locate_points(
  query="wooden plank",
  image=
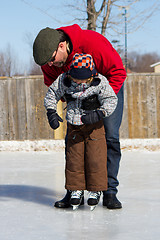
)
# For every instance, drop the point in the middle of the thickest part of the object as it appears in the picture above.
(157, 79)
(12, 109)
(21, 109)
(38, 109)
(136, 108)
(144, 112)
(140, 122)
(124, 124)
(130, 105)
(4, 123)
(30, 115)
(152, 107)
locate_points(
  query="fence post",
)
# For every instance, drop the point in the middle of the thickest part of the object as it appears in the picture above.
(58, 133)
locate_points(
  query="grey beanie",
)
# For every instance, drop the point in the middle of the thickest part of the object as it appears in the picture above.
(44, 45)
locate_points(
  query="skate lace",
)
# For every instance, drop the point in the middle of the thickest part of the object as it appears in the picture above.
(76, 194)
(94, 194)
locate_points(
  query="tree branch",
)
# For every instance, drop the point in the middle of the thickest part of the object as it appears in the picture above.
(106, 17)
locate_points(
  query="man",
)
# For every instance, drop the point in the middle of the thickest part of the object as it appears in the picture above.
(53, 50)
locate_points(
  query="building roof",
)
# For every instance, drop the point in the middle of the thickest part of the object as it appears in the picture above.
(155, 64)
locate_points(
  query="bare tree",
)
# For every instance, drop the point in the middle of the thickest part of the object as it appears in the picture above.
(7, 62)
(141, 62)
(104, 15)
(34, 69)
(93, 14)
(2, 64)
(108, 15)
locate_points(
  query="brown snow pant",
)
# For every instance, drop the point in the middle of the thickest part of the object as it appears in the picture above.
(86, 158)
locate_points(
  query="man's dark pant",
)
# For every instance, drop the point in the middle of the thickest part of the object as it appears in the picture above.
(112, 125)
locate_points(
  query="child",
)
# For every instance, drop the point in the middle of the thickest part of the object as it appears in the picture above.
(89, 98)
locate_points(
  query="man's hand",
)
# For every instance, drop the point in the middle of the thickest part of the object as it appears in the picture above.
(53, 118)
(92, 117)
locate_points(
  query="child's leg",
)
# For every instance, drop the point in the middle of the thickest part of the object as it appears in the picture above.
(75, 176)
(96, 159)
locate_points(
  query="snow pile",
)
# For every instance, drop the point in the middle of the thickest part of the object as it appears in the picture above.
(58, 145)
(141, 144)
(27, 145)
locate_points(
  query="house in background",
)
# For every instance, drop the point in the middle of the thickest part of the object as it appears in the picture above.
(156, 67)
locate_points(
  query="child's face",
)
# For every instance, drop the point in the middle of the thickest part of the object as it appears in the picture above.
(79, 81)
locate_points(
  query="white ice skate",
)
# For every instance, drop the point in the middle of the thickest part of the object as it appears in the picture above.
(76, 198)
(92, 207)
(75, 207)
(93, 199)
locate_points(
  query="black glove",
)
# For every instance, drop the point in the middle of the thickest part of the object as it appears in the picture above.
(92, 117)
(53, 118)
(90, 103)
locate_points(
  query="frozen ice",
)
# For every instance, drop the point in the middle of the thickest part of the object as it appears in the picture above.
(30, 183)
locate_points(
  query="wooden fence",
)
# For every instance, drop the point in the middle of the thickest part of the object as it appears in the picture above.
(23, 116)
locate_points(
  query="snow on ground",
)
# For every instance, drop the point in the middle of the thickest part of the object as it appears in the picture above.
(56, 145)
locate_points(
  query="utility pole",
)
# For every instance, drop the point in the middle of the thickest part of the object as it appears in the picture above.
(125, 21)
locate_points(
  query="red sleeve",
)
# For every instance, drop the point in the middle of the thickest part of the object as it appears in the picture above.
(115, 71)
(109, 64)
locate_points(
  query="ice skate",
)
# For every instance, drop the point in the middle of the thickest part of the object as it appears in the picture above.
(93, 199)
(76, 198)
(92, 207)
(75, 207)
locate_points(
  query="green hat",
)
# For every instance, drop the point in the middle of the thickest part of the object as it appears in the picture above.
(44, 45)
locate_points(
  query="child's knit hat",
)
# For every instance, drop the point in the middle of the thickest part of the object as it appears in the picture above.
(82, 66)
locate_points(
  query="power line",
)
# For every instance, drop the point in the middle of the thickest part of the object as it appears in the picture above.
(40, 10)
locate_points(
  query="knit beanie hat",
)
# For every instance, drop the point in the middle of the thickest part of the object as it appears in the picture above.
(82, 66)
(44, 45)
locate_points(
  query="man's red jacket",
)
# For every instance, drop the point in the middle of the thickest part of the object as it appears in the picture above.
(107, 60)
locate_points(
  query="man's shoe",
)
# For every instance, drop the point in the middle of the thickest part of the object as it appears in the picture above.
(110, 201)
(65, 202)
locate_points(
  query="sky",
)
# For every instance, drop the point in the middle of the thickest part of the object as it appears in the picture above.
(21, 20)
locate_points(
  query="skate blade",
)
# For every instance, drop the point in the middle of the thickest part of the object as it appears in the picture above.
(75, 207)
(92, 208)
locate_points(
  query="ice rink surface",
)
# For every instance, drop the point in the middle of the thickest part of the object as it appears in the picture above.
(30, 183)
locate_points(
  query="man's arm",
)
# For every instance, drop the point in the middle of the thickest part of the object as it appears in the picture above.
(116, 73)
